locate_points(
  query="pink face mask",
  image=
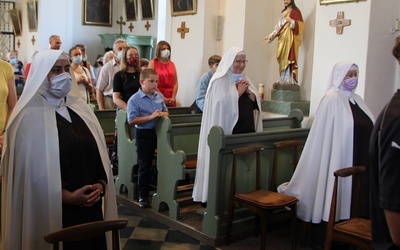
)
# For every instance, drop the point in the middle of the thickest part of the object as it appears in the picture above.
(350, 84)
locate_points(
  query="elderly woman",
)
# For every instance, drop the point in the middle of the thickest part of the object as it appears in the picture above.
(230, 101)
(339, 138)
(55, 165)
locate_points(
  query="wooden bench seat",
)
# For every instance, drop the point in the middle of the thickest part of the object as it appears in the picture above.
(221, 146)
(177, 146)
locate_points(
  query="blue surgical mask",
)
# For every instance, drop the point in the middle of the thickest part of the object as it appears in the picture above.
(60, 85)
(77, 59)
(350, 84)
(119, 55)
(237, 77)
(13, 61)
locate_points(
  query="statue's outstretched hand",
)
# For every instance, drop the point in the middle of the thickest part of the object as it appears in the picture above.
(267, 39)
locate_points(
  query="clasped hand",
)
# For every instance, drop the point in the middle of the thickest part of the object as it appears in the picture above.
(157, 113)
(85, 196)
(242, 86)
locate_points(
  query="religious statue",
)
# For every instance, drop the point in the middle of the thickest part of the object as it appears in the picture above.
(289, 31)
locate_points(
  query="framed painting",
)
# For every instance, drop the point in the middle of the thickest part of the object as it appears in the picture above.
(32, 16)
(326, 2)
(97, 12)
(147, 9)
(16, 21)
(131, 10)
(183, 7)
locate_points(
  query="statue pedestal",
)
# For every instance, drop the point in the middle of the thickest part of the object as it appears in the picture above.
(285, 98)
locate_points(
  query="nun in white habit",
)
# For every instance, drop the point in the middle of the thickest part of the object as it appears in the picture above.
(231, 102)
(339, 138)
(43, 189)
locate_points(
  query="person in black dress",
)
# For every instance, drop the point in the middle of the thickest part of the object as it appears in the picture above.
(56, 171)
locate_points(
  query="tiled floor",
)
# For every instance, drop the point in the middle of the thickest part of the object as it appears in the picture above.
(148, 233)
(145, 233)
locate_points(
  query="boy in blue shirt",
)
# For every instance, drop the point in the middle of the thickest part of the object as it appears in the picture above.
(145, 108)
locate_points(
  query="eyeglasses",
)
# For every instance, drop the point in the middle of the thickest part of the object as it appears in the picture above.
(241, 61)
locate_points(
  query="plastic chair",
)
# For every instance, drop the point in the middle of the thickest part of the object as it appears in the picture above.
(268, 205)
(87, 231)
(354, 231)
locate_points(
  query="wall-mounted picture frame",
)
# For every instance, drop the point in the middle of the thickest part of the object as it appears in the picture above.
(183, 7)
(5, 20)
(147, 7)
(130, 10)
(16, 22)
(32, 16)
(326, 2)
(97, 12)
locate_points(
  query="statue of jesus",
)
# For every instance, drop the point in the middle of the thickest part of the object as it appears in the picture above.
(289, 31)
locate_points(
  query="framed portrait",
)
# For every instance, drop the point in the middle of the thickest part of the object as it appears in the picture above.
(32, 16)
(97, 12)
(326, 2)
(183, 7)
(131, 10)
(16, 21)
(147, 9)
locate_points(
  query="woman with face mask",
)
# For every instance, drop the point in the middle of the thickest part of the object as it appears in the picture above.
(81, 74)
(339, 138)
(231, 102)
(126, 80)
(55, 167)
(167, 75)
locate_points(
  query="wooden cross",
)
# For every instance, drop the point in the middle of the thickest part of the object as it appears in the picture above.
(120, 22)
(183, 30)
(131, 27)
(340, 22)
(18, 43)
(147, 25)
(33, 40)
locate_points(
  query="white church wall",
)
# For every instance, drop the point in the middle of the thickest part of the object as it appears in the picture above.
(330, 48)
(190, 54)
(382, 74)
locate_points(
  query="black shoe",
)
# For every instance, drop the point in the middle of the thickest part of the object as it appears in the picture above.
(143, 202)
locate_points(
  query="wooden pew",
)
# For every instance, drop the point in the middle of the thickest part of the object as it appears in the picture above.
(107, 122)
(178, 110)
(221, 145)
(178, 142)
(172, 161)
(127, 157)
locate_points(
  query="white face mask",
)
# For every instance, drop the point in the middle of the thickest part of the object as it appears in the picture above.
(60, 85)
(165, 53)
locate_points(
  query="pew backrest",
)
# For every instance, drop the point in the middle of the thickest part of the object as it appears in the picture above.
(220, 165)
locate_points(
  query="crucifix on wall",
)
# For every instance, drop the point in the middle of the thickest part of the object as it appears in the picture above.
(339, 22)
(120, 22)
(183, 30)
